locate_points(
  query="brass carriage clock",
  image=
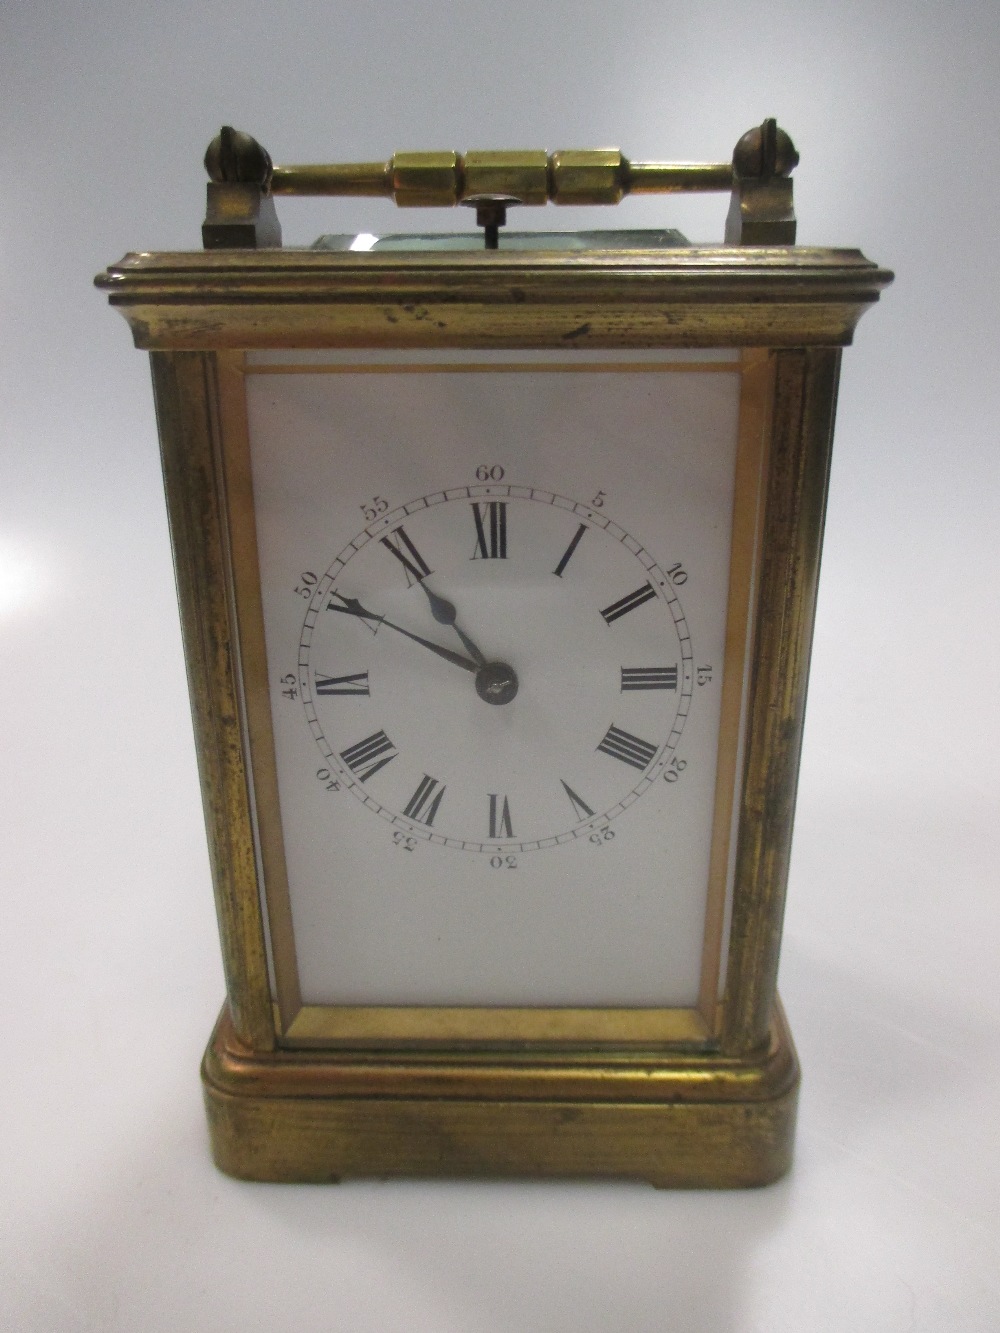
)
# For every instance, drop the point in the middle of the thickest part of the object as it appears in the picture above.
(497, 566)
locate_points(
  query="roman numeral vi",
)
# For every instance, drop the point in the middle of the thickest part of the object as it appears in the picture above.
(500, 825)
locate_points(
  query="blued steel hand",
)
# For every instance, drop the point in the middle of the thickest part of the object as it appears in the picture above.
(444, 613)
(352, 607)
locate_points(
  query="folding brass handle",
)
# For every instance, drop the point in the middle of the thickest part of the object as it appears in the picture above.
(762, 162)
(428, 180)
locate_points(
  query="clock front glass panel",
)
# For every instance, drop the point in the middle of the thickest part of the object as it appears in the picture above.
(495, 591)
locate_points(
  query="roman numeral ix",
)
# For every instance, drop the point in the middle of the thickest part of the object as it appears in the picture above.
(626, 604)
(629, 749)
(356, 684)
(491, 530)
(368, 756)
(414, 565)
(423, 804)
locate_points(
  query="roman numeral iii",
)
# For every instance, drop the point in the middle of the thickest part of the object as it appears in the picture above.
(491, 530)
(626, 604)
(629, 749)
(500, 825)
(368, 756)
(649, 678)
(423, 804)
(414, 565)
(356, 684)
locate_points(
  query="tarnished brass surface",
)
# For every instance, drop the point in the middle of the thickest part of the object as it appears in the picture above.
(677, 177)
(239, 217)
(235, 158)
(761, 214)
(425, 1026)
(240, 210)
(760, 210)
(570, 176)
(523, 176)
(186, 391)
(747, 534)
(424, 180)
(592, 176)
(708, 297)
(369, 180)
(672, 1120)
(801, 435)
(235, 483)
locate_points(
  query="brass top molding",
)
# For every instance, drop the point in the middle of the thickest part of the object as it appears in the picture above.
(715, 296)
(244, 182)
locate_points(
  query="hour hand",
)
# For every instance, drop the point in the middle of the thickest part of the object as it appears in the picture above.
(350, 606)
(444, 613)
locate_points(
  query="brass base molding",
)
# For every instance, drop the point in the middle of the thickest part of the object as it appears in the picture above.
(673, 1120)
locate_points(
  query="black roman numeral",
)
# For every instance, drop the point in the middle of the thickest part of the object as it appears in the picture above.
(568, 553)
(356, 684)
(416, 568)
(626, 604)
(491, 530)
(500, 825)
(629, 749)
(423, 804)
(580, 808)
(649, 678)
(366, 758)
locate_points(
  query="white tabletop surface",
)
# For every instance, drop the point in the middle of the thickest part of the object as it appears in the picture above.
(111, 1214)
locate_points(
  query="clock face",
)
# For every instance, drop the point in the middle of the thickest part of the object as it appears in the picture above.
(496, 668)
(495, 591)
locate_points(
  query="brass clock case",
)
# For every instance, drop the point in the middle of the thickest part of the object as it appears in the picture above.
(699, 1098)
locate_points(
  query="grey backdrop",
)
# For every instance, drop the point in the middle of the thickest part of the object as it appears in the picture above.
(113, 1217)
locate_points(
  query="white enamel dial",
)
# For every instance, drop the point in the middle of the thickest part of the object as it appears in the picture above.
(496, 667)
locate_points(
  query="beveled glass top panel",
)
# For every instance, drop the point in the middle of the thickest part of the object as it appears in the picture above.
(634, 239)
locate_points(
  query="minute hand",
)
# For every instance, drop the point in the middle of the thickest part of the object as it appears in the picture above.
(352, 607)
